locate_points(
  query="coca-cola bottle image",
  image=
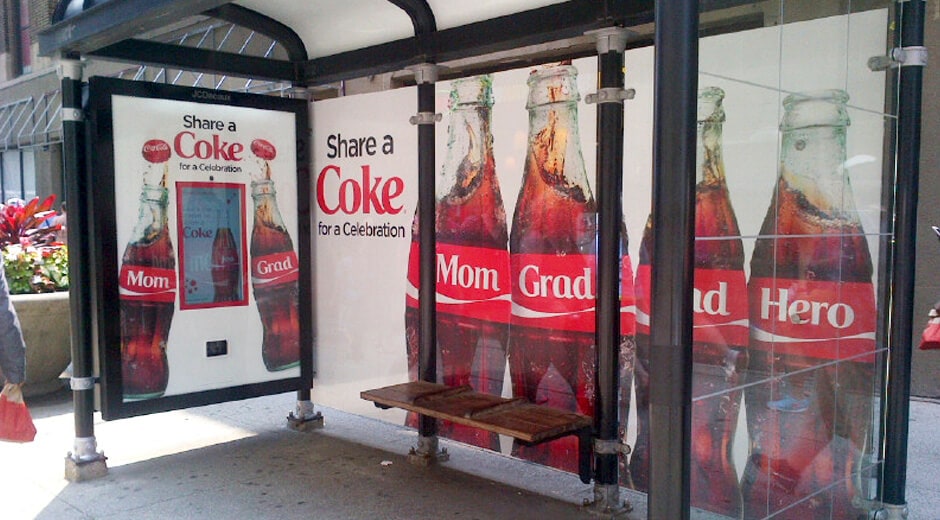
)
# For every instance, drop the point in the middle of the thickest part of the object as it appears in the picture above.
(812, 313)
(274, 270)
(473, 285)
(147, 282)
(552, 256)
(226, 267)
(720, 328)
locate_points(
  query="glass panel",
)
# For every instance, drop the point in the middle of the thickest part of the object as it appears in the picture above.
(805, 119)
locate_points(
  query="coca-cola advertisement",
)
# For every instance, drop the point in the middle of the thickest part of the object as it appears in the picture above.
(784, 277)
(206, 244)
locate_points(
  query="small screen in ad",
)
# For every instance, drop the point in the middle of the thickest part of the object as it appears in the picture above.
(212, 244)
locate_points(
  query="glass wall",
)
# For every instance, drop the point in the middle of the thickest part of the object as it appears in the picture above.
(789, 232)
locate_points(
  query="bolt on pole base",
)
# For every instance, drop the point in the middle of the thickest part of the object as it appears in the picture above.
(85, 462)
(892, 512)
(427, 453)
(607, 502)
(304, 418)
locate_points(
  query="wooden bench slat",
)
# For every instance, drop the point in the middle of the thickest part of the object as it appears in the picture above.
(513, 417)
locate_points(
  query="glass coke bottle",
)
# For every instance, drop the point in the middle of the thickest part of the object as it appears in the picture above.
(812, 314)
(552, 345)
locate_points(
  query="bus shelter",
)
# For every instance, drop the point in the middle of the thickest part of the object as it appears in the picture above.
(660, 245)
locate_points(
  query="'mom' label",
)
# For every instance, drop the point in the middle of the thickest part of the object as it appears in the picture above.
(147, 284)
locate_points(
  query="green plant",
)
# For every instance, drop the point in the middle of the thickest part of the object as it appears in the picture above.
(36, 269)
(32, 260)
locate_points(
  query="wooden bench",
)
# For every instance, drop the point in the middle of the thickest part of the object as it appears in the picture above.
(517, 418)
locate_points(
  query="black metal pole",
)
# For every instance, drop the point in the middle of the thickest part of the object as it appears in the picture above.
(673, 209)
(910, 33)
(427, 238)
(610, 216)
(80, 260)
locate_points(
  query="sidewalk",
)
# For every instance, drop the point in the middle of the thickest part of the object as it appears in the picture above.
(238, 460)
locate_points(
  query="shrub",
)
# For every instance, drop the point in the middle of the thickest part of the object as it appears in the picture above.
(33, 261)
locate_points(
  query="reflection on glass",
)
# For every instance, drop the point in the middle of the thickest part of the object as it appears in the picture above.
(720, 328)
(812, 314)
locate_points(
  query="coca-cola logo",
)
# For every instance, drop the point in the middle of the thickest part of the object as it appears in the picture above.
(533, 284)
(805, 312)
(156, 151)
(188, 146)
(365, 194)
(263, 149)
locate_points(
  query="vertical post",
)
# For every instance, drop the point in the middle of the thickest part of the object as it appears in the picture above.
(304, 417)
(910, 37)
(610, 46)
(426, 452)
(84, 462)
(673, 208)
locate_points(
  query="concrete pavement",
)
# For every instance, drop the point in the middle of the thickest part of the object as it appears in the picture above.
(238, 460)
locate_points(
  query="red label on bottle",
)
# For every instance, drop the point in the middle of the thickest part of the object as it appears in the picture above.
(471, 281)
(559, 292)
(554, 291)
(719, 304)
(147, 284)
(827, 320)
(628, 302)
(274, 269)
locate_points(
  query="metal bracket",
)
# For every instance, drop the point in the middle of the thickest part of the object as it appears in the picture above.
(85, 450)
(297, 92)
(611, 39)
(892, 512)
(82, 383)
(72, 114)
(610, 95)
(611, 447)
(425, 118)
(71, 69)
(425, 72)
(427, 452)
(915, 56)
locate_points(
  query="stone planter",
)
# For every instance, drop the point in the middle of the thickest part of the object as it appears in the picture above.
(45, 321)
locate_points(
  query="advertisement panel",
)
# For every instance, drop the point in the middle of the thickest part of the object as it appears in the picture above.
(515, 179)
(200, 199)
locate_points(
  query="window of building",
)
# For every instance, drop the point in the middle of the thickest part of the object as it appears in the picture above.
(24, 40)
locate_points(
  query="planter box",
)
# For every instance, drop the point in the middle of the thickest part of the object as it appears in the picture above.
(45, 321)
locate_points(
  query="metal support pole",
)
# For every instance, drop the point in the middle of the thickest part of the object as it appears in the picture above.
(304, 417)
(84, 462)
(610, 46)
(910, 34)
(426, 452)
(673, 209)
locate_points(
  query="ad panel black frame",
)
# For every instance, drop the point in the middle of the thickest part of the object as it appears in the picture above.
(101, 175)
